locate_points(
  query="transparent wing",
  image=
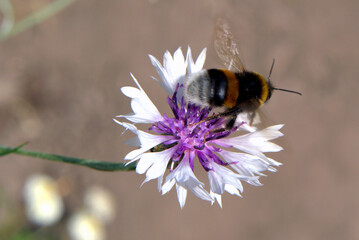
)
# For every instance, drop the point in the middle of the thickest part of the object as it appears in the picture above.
(226, 47)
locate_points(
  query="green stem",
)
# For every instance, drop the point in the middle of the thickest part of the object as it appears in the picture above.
(37, 17)
(98, 165)
(8, 17)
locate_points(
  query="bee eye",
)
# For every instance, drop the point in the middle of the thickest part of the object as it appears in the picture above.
(252, 84)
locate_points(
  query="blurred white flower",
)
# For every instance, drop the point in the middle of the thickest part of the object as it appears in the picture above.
(43, 203)
(100, 203)
(83, 225)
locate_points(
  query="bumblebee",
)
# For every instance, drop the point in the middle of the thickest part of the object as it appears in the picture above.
(234, 90)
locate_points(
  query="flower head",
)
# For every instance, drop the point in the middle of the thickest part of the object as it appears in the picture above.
(177, 142)
(43, 202)
(83, 225)
(100, 203)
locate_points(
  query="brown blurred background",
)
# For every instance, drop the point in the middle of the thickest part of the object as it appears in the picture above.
(60, 88)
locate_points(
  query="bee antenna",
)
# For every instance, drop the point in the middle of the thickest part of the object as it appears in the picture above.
(280, 89)
(286, 90)
(271, 69)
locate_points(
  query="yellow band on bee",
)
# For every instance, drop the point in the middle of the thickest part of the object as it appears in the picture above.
(265, 90)
(232, 89)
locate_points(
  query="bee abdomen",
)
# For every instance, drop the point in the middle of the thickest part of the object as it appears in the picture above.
(218, 87)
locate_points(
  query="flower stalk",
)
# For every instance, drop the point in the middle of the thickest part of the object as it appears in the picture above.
(97, 165)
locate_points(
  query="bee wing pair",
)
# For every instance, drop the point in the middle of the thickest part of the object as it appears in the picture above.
(227, 50)
(226, 47)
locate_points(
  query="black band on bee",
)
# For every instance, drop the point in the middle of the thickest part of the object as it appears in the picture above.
(218, 88)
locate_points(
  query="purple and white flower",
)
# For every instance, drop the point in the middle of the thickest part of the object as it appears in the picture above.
(177, 142)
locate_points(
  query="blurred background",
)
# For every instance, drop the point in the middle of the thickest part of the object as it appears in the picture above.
(60, 88)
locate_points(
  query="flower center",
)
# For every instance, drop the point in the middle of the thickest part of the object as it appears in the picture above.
(191, 131)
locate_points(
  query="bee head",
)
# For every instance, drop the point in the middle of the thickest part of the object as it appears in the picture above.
(270, 90)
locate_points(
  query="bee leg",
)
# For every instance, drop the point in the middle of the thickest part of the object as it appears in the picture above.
(229, 125)
(251, 117)
(230, 112)
(231, 122)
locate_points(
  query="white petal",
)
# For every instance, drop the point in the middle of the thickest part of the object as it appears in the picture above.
(163, 75)
(134, 142)
(130, 92)
(243, 119)
(146, 161)
(189, 61)
(268, 133)
(200, 61)
(169, 67)
(178, 58)
(126, 125)
(195, 67)
(185, 177)
(159, 183)
(249, 165)
(144, 111)
(246, 164)
(168, 185)
(220, 176)
(175, 68)
(201, 193)
(159, 166)
(167, 61)
(134, 155)
(273, 162)
(217, 197)
(181, 195)
(228, 188)
(147, 140)
(232, 190)
(179, 69)
(172, 72)
(256, 143)
(216, 183)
